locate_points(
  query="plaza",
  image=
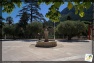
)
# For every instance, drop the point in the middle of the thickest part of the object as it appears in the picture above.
(25, 50)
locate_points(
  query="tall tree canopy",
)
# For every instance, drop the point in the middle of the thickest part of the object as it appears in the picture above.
(32, 8)
(9, 20)
(24, 19)
(1, 21)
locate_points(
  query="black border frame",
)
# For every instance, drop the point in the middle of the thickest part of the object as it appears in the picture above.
(49, 61)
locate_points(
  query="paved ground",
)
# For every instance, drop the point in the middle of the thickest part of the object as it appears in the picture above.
(25, 50)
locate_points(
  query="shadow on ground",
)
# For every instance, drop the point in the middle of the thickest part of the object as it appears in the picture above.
(73, 40)
(7, 39)
(34, 46)
(32, 40)
(28, 40)
(23, 40)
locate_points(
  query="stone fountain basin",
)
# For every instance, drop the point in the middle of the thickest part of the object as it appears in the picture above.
(46, 44)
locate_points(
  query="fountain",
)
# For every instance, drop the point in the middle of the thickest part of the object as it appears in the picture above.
(46, 42)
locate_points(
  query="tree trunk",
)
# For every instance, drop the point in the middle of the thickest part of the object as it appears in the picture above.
(69, 37)
(5, 36)
(31, 10)
(13, 36)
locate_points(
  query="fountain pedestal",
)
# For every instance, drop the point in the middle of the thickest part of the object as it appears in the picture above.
(46, 44)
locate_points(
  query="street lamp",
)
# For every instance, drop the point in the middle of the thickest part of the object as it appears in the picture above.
(54, 30)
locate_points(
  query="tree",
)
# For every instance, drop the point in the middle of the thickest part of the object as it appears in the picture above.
(33, 10)
(9, 5)
(1, 21)
(9, 20)
(24, 20)
(1, 25)
(19, 32)
(81, 27)
(36, 27)
(7, 30)
(71, 28)
(13, 31)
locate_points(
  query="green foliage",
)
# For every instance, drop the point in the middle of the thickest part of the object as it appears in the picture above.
(80, 27)
(80, 6)
(86, 28)
(10, 30)
(53, 10)
(8, 6)
(15, 30)
(24, 20)
(1, 26)
(32, 8)
(1, 21)
(70, 5)
(7, 30)
(71, 28)
(53, 13)
(82, 14)
(53, 16)
(88, 14)
(9, 20)
(34, 28)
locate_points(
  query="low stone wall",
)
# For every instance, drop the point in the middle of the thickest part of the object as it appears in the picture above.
(46, 44)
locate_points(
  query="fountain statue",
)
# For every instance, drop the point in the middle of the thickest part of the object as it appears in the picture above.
(46, 43)
(46, 35)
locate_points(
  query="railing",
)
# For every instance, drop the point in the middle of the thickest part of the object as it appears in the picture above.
(42, 37)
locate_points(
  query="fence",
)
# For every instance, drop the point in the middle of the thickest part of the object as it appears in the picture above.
(42, 37)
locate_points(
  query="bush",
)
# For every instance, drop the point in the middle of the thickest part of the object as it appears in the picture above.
(34, 28)
(9, 30)
(71, 28)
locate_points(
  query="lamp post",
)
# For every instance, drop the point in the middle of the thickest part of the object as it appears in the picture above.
(54, 30)
(5, 36)
(89, 31)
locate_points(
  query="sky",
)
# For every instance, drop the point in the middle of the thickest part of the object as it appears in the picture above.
(43, 6)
